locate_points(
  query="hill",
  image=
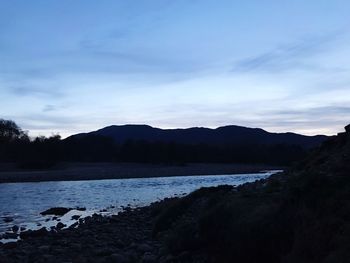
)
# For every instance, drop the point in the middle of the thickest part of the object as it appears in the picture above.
(220, 136)
(145, 144)
(301, 215)
(229, 144)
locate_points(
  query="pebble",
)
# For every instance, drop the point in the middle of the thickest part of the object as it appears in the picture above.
(60, 225)
(149, 258)
(44, 249)
(118, 258)
(10, 235)
(144, 248)
(75, 217)
(124, 238)
(57, 211)
(10, 245)
(15, 228)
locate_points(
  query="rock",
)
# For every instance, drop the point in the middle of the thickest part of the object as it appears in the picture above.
(118, 258)
(10, 245)
(103, 252)
(60, 225)
(119, 243)
(75, 246)
(80, 208)
(163, 251)
(43, 249)
(144, 248)
(74, 225)
(58, 251)
(184, 256)
(149, 258)
(48, 258)
(22, 228)
(30, 233)
(15, 228)
(132, 255)
(167, 259)
(75, 217)
(57, 211)
(10, 235)
(8, 219)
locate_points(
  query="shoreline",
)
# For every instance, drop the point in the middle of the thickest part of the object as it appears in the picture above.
(103, 171)
(97, 237)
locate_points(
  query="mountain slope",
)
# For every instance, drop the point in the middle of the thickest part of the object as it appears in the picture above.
(219, 136)
(301, 215)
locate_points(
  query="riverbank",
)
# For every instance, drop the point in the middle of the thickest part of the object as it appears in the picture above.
(126, 237)
(133, 235)
(96, 171)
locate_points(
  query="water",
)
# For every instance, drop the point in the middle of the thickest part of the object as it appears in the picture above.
(23, 202)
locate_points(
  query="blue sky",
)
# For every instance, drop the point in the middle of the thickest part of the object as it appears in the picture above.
(74, 66)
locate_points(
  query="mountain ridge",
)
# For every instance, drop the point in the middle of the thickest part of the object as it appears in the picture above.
(230, 134)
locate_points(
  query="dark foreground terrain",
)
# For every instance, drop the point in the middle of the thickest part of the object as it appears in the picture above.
(302, 215)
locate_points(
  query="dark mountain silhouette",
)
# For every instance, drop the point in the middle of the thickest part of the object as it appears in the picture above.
(232, 135)
(145, 144)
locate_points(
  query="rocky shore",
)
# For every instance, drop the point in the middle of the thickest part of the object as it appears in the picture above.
(126, 237)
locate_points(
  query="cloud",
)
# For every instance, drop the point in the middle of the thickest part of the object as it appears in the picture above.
(286, 57)
(48, 108)
(328, 119)
(29, 90)
(324, 112)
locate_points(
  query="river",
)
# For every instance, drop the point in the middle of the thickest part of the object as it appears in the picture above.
(21, 203)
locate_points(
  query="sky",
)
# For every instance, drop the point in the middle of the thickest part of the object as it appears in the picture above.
(76, 66)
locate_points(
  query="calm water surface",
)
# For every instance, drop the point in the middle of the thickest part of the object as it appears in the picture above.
(23, 202)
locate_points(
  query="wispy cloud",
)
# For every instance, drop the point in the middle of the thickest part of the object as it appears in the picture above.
(290, 56)
(324, 112)
(29, 90)
(49, 108)
(328, 119)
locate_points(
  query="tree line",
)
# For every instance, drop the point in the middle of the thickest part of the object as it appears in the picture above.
(45, 152)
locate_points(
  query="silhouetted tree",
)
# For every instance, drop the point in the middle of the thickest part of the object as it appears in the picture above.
(44, 152)
(10, 131)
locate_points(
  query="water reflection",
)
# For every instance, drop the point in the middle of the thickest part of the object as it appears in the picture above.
(23, 202)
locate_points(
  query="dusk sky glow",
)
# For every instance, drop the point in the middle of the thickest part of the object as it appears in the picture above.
(76, 66)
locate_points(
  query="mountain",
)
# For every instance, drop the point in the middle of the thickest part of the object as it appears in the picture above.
(233, 135)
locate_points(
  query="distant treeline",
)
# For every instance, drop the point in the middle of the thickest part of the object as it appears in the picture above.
(44, 152)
